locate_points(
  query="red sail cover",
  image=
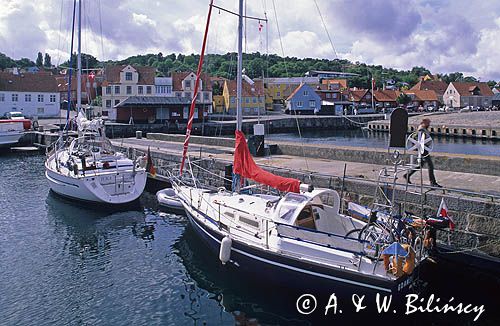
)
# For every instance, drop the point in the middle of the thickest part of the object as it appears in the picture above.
(245, 166)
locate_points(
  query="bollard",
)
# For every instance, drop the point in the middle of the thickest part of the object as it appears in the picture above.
(138, 134)
(228, 177)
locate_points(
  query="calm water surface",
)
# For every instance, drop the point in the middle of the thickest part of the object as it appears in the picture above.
(364, 138)
(66, 264)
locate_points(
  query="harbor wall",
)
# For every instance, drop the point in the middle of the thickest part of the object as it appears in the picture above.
(479, 164)
(477, 218)
(455, 130)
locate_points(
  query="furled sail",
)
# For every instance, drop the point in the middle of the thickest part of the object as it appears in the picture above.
(245, 166)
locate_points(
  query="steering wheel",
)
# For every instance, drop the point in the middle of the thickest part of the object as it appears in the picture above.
(421, 142)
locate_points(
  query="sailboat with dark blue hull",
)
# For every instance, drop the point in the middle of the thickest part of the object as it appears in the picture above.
(299, 237)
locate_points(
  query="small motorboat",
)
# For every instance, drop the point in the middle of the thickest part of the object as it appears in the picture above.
(168, 199)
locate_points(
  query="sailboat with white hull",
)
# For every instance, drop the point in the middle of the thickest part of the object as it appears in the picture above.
(88, 168)
(299, 236)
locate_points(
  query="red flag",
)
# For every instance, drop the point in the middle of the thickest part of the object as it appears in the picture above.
(91, 76)
(150, 167)
(245, 166)
(443, 212)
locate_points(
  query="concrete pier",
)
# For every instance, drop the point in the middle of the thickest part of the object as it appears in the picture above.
(473, 198)
(483, 125)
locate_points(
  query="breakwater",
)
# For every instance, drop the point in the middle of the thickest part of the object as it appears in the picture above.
(483, 125)
(443, 161)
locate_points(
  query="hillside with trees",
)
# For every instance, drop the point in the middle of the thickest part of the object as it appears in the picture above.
(256, 65)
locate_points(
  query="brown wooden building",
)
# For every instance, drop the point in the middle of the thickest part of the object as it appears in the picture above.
(156, 109)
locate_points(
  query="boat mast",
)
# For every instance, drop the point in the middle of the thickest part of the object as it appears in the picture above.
(239, 69)
(79, 60)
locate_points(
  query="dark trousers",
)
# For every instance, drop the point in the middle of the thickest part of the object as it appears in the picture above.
(427, 159)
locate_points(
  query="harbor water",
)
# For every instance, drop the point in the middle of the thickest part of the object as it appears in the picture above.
(63, 263)
(366, 138)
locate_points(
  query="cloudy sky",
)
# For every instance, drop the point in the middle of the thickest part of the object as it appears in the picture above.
(442, 35)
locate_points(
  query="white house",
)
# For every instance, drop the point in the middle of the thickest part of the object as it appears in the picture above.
(33, 94)
(121, 82)
(163, 86)
(183, 86)
(460, 94)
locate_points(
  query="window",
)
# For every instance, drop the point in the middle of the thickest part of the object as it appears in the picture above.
(187, 84)
(117, 101)
(306, 93)
(128, 76)
(40, 110)
(108, 89)
(187, 94)
(312, 104)
(178, 94)
(52, 98)
(148, 89)
(260, 99)
(300, 104)
(161, 89)
(27, 97)
(140, 90)
(108, 103)
(40, 98)
(14, 97)
(334, 95)
(2, 97)
(247, 100)
(328, 95)
(254, 100)
(129, 89)
(206, 96)
(168, 89)
(117, 89)
(278, 94)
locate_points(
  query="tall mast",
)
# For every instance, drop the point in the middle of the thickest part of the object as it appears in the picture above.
(239, 69)
(79, 60)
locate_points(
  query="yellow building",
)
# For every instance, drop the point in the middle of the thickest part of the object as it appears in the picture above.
(252, 97)
(218, 103)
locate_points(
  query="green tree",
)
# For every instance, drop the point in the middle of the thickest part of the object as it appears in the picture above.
(403, 99)
(46, 61)
(39, 59)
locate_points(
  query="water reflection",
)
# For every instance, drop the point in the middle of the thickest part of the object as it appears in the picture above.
(366, 138)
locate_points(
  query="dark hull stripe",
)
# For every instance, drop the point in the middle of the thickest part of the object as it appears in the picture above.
(278, 261)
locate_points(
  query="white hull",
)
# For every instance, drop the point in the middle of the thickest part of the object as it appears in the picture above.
(10, 138)
(106, 187)
(167, 198)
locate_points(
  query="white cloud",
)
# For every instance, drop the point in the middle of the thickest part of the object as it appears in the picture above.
(444, 36)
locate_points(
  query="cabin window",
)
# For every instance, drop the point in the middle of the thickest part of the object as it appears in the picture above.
(306, 218)
(249, 221)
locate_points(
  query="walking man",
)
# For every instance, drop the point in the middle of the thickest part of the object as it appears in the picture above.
(426, 157)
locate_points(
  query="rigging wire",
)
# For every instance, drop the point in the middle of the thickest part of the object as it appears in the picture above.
(288, 75)
(326, 29)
